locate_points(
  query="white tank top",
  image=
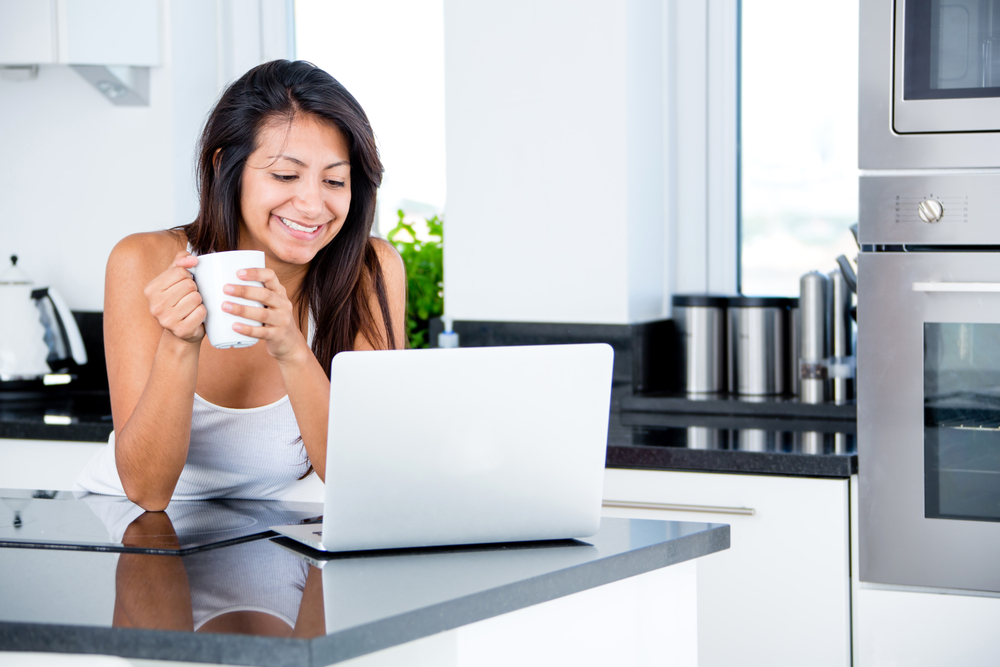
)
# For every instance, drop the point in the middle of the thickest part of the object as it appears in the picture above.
(233, 453)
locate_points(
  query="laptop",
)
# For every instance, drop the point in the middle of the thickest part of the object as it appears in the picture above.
(463, 446)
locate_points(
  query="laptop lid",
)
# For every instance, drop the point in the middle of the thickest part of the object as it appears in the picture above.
(465, 446)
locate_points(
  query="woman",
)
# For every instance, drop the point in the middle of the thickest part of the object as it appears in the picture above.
(287, 165)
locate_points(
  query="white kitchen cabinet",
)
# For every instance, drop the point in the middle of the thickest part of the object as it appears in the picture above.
(27, 32)
(52, 465)
(80, 32)
(780, 595)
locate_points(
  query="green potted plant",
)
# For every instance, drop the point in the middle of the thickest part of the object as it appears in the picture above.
(424, 262)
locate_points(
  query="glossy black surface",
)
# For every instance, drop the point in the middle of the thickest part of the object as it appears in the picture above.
(750, 443)
(782, 407)
(258, 603)
(59, 413)
(66, 520)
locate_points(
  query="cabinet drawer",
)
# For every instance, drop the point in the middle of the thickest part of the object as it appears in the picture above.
(780, 594)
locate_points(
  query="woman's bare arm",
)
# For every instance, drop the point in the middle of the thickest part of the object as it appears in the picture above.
(304, 379)
(308, 386)
(152, 334)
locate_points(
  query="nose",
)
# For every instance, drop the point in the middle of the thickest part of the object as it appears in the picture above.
(308, 199)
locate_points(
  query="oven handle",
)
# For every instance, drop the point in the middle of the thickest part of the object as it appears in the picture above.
(956, 287)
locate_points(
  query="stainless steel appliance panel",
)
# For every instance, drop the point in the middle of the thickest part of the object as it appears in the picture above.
(904, 295)
(883, 146)
(930, 208)
(959, 52)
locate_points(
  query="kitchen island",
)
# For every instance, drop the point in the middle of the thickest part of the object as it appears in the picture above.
(780, 595)
(629, 592)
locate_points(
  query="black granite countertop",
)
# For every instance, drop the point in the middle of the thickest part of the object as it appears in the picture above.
(690, 436)
(61, 414)
(796, 447)
(97, 602)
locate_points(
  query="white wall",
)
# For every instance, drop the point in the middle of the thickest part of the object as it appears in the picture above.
(81, 173)
(591, 152)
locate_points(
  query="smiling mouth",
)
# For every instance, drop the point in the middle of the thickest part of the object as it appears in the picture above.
(297, 227)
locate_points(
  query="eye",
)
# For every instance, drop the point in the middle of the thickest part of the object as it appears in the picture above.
(335, 184)
(284, 178)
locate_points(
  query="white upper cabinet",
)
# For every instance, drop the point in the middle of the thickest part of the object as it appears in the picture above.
(80, 32)
(27, 32)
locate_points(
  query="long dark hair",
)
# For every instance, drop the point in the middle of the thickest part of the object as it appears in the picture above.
(343, 275)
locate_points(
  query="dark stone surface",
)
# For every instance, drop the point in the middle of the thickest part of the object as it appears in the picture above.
(382, 599)
(488, 334)
(88, 414)
(754, 443)
(772, 406)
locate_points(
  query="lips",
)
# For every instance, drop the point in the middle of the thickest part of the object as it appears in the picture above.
(299, 230)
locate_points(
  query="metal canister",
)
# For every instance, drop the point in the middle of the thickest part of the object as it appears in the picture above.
(812, 360)
(757, 350)
(840, 334)
(701, 323)
(794, 347)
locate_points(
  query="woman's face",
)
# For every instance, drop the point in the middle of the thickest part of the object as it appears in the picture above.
(296, 190)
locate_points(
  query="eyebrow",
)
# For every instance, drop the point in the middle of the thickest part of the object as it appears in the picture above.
(303, 164)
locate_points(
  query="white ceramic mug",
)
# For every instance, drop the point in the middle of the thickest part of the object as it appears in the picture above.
(211, 274)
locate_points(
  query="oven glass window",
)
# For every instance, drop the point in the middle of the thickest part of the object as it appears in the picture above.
(951, 49)
(962, 421)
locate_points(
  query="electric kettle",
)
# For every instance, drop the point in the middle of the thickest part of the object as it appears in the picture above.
(38, 334)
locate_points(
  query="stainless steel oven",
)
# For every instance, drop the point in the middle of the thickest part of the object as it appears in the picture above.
(929, 92)
(929, 379)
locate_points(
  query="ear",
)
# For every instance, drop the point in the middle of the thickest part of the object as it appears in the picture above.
(216, 159)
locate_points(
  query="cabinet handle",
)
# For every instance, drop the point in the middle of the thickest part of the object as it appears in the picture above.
(956, 287)
(708, 509)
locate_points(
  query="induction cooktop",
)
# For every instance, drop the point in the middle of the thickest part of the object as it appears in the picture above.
(89, 522)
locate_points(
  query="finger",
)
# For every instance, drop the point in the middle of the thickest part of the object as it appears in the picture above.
(262, 295)
(254, 332)
(187, 304)
(189, 325)
(265, 276)
(269, 316)
(171, 276)
(173, 294)
(185, 259)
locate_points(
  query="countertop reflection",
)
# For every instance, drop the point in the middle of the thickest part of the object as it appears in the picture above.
(265, 603)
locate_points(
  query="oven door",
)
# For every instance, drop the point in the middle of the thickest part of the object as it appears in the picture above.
(946, 66)
(929, 419)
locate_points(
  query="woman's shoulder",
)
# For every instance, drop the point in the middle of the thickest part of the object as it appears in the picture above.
(147, 252)
(388, 257)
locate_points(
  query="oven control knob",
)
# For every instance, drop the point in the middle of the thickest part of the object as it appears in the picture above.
(930, 210)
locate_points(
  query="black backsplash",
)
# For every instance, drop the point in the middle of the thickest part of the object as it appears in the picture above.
(93, 376)
(645, 354)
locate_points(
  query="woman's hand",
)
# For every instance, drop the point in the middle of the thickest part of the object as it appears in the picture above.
(279, 329)
(175, 302)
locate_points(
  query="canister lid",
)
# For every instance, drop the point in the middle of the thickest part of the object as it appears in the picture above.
(699, 300)
(762, 302)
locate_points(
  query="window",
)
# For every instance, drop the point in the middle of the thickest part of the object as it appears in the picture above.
(390, 55)
(799, 138)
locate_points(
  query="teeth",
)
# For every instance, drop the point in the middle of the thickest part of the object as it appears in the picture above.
(298, 228)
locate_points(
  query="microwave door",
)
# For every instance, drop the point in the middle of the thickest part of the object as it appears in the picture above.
(946, 74)
(929, 419)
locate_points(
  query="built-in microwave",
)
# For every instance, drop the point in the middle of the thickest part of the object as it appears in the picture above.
(929, 84)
